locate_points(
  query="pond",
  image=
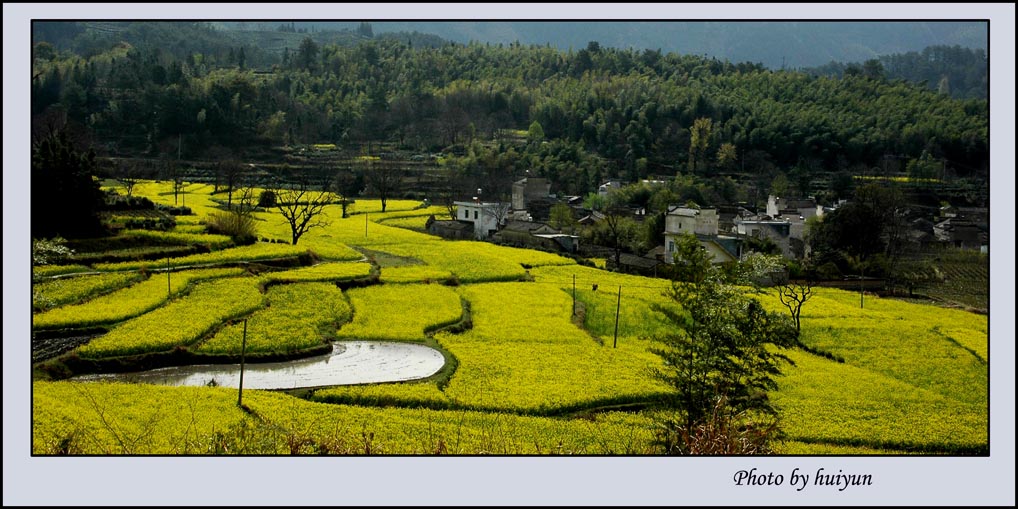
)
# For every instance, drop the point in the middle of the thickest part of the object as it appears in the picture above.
(351, 362)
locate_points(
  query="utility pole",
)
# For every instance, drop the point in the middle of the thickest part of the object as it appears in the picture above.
(243, 350)
(862, 272)
(618, 305)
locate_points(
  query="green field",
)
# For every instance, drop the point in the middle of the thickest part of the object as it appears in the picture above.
(531, 371)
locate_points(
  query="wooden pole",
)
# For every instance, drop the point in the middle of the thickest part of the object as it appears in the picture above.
(618, 305)
(574, 294)
(861, 276)
(243, 350)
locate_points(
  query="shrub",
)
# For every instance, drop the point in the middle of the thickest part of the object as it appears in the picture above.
(267, 199)
(240, 227)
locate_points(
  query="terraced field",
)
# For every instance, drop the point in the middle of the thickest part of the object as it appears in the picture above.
(529, 370)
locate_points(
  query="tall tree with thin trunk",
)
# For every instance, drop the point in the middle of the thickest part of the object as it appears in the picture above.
(384, 180)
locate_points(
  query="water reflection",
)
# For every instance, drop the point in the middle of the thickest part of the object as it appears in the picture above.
(351, 362)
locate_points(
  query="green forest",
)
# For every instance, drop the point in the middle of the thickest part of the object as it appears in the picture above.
(187, 90)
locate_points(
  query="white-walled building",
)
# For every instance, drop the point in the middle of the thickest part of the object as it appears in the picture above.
(783, 207)
(703, 223)
(608, 187)
(681, 220)
(485, 216)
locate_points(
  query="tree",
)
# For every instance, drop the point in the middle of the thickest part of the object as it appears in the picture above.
(699, 141)
(794, 295)
(613, 212)
(346, 184)
(230, 171)
(919, 274)
(561, 217)
(385, 180)
(727, 155)
(66, 198)
(302, 207)
(307, 53)
(499, 211)
(127, 174)
(873, 69)
(690, 262)
(780, 185)
(535, 133)
(718, 353)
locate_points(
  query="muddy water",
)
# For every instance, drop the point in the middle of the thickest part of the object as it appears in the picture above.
(351, 362)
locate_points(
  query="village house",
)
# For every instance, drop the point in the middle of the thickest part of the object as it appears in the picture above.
(535, 235)
(800, 207)
(474, 219)
(532, 198)
(703, 223)
(777, 231)
(609, 186)
(452, 230)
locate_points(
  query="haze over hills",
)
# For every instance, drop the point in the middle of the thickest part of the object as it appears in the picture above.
(773, 44)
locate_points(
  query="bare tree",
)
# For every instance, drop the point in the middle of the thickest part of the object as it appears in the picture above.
(230, 170)
(173, 173)
(345, 184)
(499, 211)
(617, 225)
(127, 174)
(384, 180)
(302, 207)
(794, 295)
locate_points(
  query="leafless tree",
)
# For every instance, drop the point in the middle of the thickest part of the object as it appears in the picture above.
(230, 171)
(384, 180)
(175, 175)
(345, 185)
(499, 211)
(794, 295)
(127, 174)
(302, 207)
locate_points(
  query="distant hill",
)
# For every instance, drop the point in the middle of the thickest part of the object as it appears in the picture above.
(960, 72)
(773, 44)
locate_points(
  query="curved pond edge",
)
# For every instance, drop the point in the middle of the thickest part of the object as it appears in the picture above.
(347, 363)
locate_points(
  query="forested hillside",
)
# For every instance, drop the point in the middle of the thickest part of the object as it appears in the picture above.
(634, 112)
(960, 72)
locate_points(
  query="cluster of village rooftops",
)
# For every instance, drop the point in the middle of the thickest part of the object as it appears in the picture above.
(723, 231)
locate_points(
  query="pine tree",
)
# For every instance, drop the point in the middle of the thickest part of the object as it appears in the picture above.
(719, 357)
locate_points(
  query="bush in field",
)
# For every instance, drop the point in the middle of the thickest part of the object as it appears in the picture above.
(267, 199)
(46, 251)
(722, 432)
(240, 227)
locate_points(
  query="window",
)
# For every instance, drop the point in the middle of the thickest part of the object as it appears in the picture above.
(466, 214)
(475, 214)
(671, 246)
